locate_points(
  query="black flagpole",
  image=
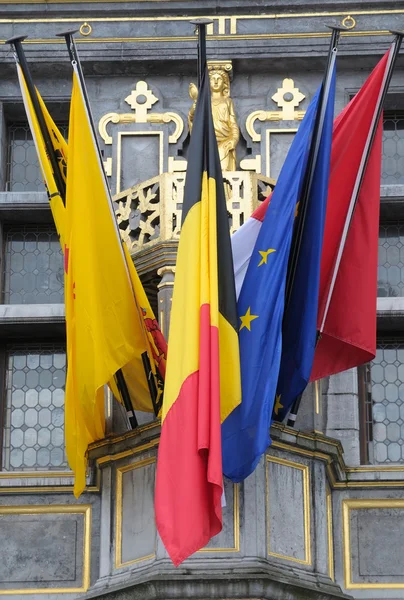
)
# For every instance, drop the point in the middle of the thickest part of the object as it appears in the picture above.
(201, 25)
(397, 44)
(312, 160)
(119, 376)
(307, 185)
(16, 42)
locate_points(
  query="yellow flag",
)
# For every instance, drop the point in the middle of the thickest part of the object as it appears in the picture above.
(55, 199)
(105, 329)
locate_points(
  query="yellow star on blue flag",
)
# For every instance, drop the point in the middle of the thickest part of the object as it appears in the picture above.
(264, 254)
(247, 318)
(278, 404)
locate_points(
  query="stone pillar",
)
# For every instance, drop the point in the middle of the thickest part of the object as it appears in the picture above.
(164, 297)
(342, 413)
(311, 415)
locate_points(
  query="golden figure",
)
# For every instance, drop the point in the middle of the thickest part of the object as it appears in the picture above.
(224, 118)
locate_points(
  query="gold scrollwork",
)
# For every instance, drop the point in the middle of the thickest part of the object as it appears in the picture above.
(150, 118)
(288, 97)
(348, 22)
(157, 203)
(85, 29)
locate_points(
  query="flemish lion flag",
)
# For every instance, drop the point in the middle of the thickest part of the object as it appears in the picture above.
(203, 372)
(55, 195)
(105, 312)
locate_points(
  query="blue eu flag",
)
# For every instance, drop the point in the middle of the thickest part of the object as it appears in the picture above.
(245, 432)
(300, 316)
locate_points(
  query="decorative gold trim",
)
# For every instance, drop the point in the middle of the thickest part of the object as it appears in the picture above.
(85, 29)
(269, 16)
(268, 145)
(129, 434)
(236, 525)
(349, 22)
(126, 453)
(330, 538)
(347, 507)
(118, 513)
(317, 396)
(306, 510)
(85, 510)
(254, 36)
(35, 474)
(119, 151)
(154, 118)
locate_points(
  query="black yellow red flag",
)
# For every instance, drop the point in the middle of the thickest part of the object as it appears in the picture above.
(203, 367)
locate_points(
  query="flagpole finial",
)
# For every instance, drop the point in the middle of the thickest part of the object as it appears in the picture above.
(16, 38)
(201, 21)
(65, 33)
(335, 27)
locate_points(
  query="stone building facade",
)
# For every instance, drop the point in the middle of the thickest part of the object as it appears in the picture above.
(322, 517)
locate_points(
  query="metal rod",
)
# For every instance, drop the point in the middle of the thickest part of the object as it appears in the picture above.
(201, 25)
(312, 160)
(20, 57)
(123, 389)
(151, 382)
(394, 51)
(354, 199)
(304, 197)
(75, 60)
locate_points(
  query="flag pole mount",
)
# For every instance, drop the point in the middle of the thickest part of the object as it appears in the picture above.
(16, 42)
(201, 25)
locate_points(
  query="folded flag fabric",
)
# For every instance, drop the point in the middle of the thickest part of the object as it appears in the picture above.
(203, 367)
(245, 432)
(348, 322)
(299, 332)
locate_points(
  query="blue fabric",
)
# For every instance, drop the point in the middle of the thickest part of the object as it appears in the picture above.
(245, 432)
(300, 316)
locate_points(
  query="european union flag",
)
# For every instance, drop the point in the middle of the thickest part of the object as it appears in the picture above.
(245, 432)
(300, 318)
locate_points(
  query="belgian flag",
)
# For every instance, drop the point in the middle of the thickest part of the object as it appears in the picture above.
(203, 367)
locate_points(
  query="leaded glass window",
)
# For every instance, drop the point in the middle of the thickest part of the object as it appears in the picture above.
(33, 266)
(23, 171)
(387, 379)
(34, 412)
(393, 148)
(390, 279)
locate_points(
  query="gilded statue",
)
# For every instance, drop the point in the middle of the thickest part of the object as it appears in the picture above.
(224, 118)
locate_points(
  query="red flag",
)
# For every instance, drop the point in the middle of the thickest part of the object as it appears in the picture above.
(347, 311)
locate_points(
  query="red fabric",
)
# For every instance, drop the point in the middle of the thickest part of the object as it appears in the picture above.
(260, 211)
(188, 507)
(349, 336)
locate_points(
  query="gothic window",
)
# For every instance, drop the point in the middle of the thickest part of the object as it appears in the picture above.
(33, 437)
(23, 171)
(390, 279)
(33, 266)
(381, 397)
(393, 148)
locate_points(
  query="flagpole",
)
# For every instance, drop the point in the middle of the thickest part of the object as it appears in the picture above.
(20, 58)
(307, 184)
(394, 51)
(312, 160)
(201, 25)
(119, 376)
